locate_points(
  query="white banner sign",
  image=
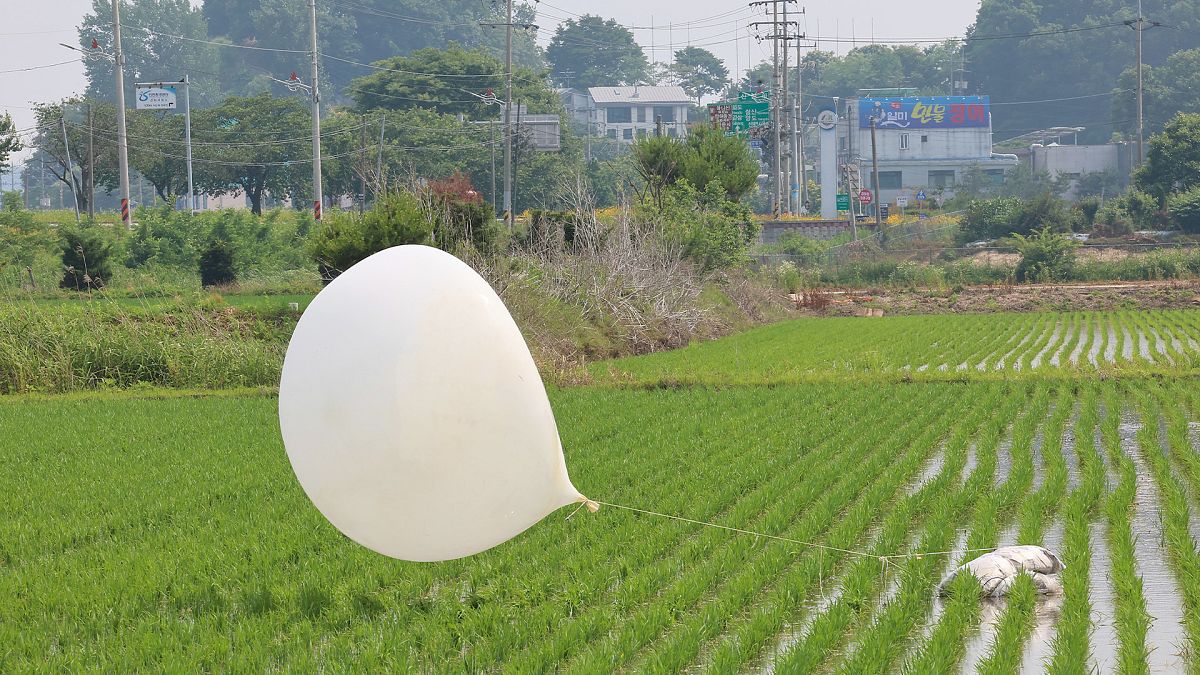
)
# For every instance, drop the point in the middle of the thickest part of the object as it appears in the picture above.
(156, 98)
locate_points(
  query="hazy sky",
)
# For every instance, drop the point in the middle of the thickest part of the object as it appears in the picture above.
(31, 31)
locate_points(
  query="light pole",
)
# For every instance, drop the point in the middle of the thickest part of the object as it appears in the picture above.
(122, 139)
(318, 199)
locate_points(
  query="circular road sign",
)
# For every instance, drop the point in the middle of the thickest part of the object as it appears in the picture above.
(827, 119)
(864, 196)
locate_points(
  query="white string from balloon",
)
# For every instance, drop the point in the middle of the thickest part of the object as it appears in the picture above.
(594, 505)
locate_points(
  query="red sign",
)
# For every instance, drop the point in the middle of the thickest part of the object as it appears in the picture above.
(864, 196)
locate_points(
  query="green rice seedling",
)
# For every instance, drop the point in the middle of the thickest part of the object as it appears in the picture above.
(1181, 547)
(1132, 622)
(1073, 634)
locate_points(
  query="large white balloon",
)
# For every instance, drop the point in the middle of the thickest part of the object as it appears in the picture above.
(413, 414)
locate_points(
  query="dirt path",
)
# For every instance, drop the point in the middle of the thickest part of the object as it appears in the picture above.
(1017, 298)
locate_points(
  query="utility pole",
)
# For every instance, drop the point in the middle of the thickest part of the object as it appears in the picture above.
(875, 174)
(379, 186)
(1139, 26)
(71, 167)
(508, 130)
(798, 182)
(122, 138)
(187, 139)
(784, 128)
(91, 175)
(779, 33)
(362, 164)
(318, 197)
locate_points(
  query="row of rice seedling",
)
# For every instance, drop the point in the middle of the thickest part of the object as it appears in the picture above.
(833, 627)
(1180, 459)
(951, 464)
(1071, 646)
(657, 572)
(947, 643)
(1037, 509)
(954, 347)
(838, 487)
(881, 646)
(1131, 620)
(1175, 512)
(789, 602)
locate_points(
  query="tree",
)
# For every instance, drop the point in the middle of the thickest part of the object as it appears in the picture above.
(592, 52)
(216, 260)
(699, 72)
(85, 259)
(1045, 256)
(157, 151)
(10, 142)
(364, 31)
(445, 79)
(659, 162)
(1173, 160)
(256, 145)
(713, 156)
(151, 49)
(49, 140)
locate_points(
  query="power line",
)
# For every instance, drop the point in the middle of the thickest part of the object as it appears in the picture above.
(48, 65)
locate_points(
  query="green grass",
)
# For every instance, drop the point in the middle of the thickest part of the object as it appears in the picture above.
(151, 529)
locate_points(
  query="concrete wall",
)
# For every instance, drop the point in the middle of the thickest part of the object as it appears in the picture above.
(813, 229)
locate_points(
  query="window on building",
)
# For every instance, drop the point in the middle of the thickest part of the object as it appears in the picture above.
(627, 134)
(903, 141)
(924, 138)
(890, 180)
(641, 114)
(666, 112)
(941, 178)
(672, 132)
(612, 133)
(995, 176)
(624, 114)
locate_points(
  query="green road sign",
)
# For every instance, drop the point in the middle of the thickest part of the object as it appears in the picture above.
(843, 202)
(738, 117)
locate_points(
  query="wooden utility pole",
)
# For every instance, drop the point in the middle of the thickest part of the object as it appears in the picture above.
(91, 172)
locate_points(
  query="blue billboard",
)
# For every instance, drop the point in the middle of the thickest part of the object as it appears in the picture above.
(926, 112)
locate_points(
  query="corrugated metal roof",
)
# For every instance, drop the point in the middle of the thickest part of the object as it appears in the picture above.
(639, 94)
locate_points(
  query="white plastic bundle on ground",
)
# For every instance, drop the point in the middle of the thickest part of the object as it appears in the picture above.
(999, 570)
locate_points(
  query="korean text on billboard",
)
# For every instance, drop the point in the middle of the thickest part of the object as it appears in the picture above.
(933, 112)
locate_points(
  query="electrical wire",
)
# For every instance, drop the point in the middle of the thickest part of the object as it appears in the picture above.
(48, 65)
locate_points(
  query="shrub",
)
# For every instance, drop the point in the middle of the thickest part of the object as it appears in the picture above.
(344, 238)
(1089, 207)
(216, 262)
(1044, 212)
(85, 259)
(1045, 256)
(988, 218)
(1185, 210)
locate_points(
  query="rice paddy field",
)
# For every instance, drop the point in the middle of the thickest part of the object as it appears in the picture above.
(164, 531)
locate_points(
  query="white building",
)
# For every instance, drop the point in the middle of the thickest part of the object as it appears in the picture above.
(1071, 162)
(627, 113)
(922, 143)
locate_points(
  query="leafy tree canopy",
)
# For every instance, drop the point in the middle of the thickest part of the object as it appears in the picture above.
(1173, 160)
(699, 72)
(594, 52)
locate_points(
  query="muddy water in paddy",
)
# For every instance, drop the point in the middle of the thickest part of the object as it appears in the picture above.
(1110, 345)
(1054, 338)
(1143, 345)
(1039, 648)
(1056, 359)
(1104, 635)
(1097, 343)
(1166, 635)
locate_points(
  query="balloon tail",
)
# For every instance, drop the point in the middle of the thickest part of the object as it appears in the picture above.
(592, 506)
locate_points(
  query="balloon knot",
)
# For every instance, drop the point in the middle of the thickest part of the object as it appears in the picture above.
(591, 505)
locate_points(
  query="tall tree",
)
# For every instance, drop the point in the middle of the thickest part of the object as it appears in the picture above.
(161, 40)
(450, 80)
(255, 145)
(591, 52)
(73, 169)
(699, 72)
(10, 142)
(1173, 160)
(351, 34)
